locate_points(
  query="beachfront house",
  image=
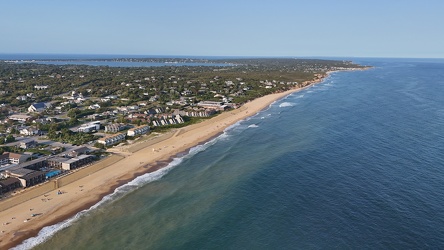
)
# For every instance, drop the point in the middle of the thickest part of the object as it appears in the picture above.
(138, 130)
(56, 162)
(111, 140)
(9, 184)
(70, 163)
(114, 128)
(27, 177)
(78, 151)
(77, 162)
(213, 105)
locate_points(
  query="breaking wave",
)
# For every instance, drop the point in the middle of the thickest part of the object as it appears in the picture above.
(47, 232)
(286, 104)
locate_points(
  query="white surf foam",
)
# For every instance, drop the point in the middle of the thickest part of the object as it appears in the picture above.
(286, 104)
(47, 232)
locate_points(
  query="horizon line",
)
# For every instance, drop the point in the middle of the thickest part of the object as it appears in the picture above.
(225, 56)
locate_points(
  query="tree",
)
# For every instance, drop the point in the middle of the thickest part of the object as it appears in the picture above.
(99, 145)
(10, 138)
(72, 113)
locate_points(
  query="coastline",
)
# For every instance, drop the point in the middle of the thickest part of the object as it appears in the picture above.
(149, 156)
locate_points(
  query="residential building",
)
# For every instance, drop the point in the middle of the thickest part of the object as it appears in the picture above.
(27, 177)
(12, 158)
(29, 131)
(114, 128)
(9, 184)
(168, 120)
(56, 162)
(21, 98)
(94, 106)
(36, 164)
(112, 139)
(39, 107)
(89, 127)
(212, 105)
(138, 130)
(19, 117)
(78, 151)
(27, 143)
(77, 162)
(4, 159)
(40, 87)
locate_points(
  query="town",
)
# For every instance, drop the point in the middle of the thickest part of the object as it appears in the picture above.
(56, 119)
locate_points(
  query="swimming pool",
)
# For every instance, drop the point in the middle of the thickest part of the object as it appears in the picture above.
(52, 173)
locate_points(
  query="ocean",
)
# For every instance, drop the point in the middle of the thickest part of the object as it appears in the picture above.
(355, 162)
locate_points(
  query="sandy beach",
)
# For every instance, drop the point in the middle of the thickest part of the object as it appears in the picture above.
(128, 162)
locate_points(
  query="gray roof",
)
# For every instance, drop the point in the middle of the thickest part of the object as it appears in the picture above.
(19, 171)
(39, 105)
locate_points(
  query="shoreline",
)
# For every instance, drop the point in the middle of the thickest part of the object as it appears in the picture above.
(97, 185)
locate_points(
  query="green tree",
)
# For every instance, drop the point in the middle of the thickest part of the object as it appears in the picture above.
(10, 138)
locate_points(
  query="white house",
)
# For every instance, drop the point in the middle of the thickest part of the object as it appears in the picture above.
(94, 106)
(39, 107)
(40, 87)
(138, 131)
(29, 131)
(111, 140)
(86, 128)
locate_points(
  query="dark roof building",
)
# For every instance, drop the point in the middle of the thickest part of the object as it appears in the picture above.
(9, 184)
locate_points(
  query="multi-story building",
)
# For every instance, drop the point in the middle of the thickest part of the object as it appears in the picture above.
(138, 130)
(112, 139)
(114, 128)
(27, 177)
(13, 158)
(89, 127)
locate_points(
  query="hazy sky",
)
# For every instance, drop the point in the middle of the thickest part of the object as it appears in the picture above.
(359, 28)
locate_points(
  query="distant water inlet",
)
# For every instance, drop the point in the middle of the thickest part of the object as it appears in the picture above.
(357, 164)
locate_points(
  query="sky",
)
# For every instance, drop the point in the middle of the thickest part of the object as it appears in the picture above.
(284, 28)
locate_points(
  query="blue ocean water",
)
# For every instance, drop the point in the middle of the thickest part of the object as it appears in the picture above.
(356, 162)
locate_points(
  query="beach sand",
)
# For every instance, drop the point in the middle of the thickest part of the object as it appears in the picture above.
(18, 224)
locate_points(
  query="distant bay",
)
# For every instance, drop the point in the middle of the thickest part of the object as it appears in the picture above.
(114, 60)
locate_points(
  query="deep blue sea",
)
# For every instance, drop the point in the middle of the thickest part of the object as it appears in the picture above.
(356, 162)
